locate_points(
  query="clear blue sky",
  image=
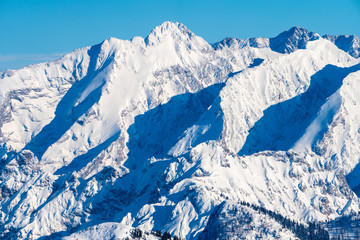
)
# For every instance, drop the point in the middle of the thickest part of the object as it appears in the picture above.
(33, 31)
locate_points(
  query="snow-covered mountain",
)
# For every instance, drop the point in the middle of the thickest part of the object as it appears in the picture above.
(172, 134)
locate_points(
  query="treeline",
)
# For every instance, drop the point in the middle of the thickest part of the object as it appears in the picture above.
(310, 232)
(138, 233)
(344, 227)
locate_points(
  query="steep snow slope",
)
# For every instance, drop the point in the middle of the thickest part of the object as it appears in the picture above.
(249, 93)
(131, 75)
(145, 133)
(350, 44)
(29, 96)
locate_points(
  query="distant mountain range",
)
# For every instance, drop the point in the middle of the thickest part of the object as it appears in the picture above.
(173, 137)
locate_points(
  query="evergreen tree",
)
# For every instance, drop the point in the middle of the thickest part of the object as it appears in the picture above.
(166, 236)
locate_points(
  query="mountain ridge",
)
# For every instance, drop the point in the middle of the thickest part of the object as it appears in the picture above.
(146, 133)
(291, 40)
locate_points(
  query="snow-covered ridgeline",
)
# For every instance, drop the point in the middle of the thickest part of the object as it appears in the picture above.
(146, 132)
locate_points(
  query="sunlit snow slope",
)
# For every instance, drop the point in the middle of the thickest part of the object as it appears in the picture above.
(164, 132)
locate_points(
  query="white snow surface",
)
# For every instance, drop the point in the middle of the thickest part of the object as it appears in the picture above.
(155, 133)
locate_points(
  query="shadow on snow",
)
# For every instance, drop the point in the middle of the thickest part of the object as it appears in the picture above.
(66, 114)
(284, 123)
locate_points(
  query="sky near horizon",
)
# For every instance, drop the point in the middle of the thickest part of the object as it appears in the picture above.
(43, 30)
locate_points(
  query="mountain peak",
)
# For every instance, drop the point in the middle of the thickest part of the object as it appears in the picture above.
(168, 28)
(293, 39)
(298, 29)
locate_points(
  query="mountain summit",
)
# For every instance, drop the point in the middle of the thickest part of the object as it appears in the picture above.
(171, 136)
(168, 28)
(291, 40)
